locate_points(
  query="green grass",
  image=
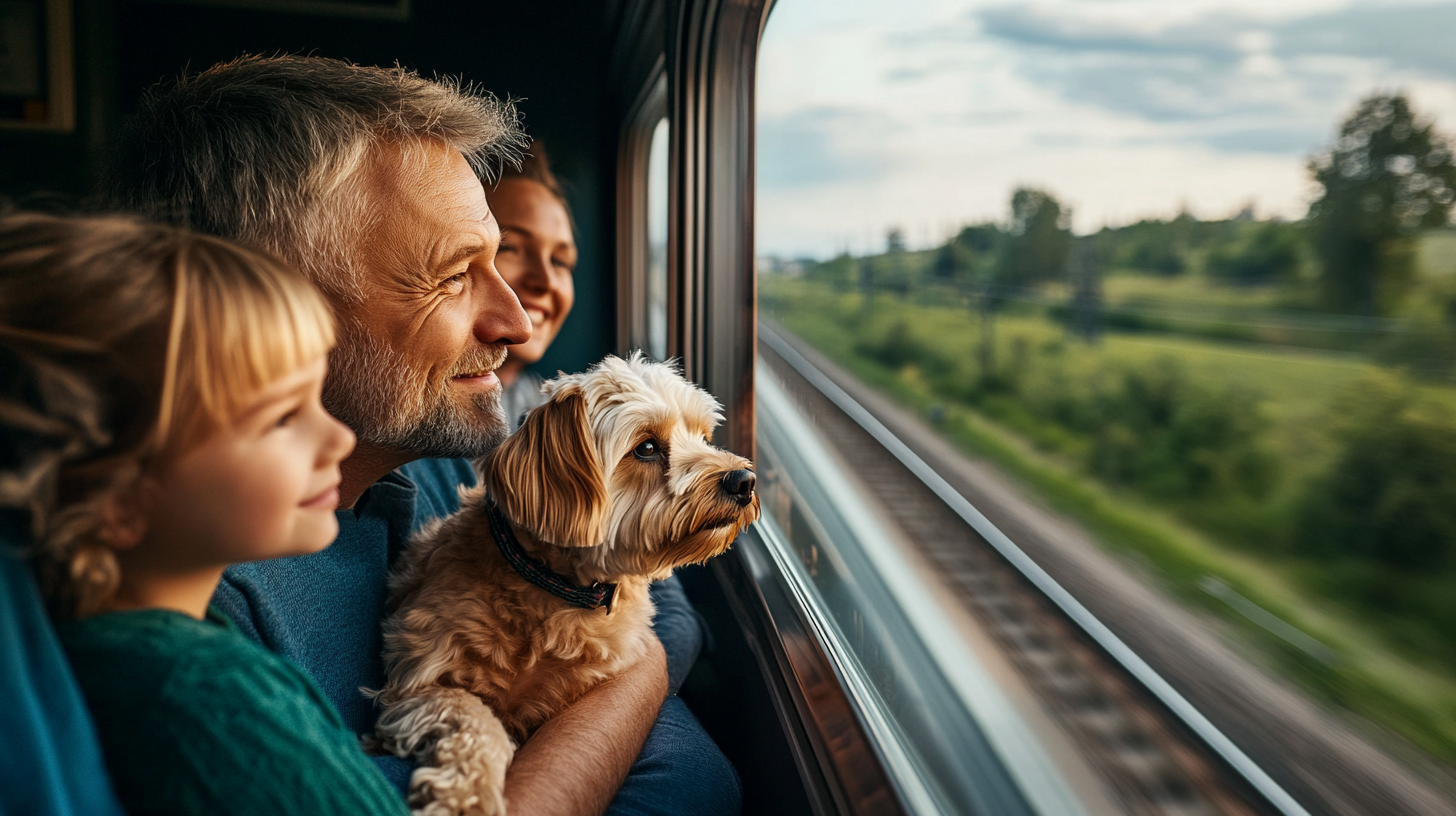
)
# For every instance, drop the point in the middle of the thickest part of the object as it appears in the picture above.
(1436, 253)
(1185, 289)
(1386, 671)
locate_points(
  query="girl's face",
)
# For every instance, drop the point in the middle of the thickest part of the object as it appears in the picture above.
(264, 486)
(536, 258)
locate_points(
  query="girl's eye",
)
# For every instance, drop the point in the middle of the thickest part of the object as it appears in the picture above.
(286, 420)
(647, 451)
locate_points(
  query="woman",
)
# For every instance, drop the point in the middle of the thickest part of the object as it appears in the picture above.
(536, 258)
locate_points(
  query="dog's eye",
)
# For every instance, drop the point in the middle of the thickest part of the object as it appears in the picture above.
(647, 451)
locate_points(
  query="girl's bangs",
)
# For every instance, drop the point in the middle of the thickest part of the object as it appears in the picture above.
(243, 321)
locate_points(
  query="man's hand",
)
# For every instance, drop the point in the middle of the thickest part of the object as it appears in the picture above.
(573, 765)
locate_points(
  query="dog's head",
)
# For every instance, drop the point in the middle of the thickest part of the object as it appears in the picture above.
(618, 460)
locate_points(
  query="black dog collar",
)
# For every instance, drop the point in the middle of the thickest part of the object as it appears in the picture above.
(534, 570)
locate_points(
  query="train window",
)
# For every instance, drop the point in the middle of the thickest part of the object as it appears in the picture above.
(1106, 421)
(642, 207)
(657, 242)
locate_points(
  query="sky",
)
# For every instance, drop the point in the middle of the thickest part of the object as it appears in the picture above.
(926, 114)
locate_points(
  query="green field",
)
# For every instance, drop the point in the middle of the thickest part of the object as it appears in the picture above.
(1392, 631)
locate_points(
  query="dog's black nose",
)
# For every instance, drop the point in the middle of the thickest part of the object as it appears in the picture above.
(738, 484)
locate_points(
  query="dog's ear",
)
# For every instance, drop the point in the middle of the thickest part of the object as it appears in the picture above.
(547, 475)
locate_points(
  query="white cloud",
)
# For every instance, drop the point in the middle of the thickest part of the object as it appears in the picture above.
(926, 115)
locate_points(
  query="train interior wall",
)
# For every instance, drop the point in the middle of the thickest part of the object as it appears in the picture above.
(549, 56)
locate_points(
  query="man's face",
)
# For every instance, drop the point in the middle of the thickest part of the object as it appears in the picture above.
(414, 368)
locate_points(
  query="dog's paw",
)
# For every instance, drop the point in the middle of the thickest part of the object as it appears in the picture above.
(469, 778)
(373, 745)
(455, 791)
(462, 749)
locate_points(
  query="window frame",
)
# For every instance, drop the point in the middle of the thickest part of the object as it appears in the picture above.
(633, 194)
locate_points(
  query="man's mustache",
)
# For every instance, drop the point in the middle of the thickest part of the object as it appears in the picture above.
(478, 359)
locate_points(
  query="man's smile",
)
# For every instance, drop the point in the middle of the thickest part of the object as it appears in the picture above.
(484, 379)
(477, 367)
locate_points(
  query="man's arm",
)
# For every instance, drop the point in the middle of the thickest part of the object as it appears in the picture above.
(573, 765)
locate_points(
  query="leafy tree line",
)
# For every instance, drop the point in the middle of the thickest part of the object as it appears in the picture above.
(1152, 428)
(1388, 176)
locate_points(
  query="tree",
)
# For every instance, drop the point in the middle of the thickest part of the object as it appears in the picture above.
(1039, 241)
(962, 257)
(1387, 176)
(1266, 253)
(895, 240)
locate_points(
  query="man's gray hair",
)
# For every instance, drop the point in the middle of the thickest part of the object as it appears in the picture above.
(264, 150)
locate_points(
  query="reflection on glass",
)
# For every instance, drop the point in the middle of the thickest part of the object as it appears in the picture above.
(1175, 284)
(657, 243)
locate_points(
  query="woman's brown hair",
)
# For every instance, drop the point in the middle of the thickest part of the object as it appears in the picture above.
(123, 343)
(536, 166)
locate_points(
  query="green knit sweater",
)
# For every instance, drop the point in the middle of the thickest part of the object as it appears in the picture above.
(196, 719)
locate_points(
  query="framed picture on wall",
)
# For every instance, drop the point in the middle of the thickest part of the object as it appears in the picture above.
(37, 69)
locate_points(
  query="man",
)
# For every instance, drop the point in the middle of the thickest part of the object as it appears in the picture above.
(366, 178)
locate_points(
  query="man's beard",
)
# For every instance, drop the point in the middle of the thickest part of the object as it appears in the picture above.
(381, 398)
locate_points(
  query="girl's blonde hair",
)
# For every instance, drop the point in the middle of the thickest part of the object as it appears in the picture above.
(125, 343)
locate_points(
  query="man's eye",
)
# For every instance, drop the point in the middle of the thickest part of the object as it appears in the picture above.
(647, 451)
(454, 283)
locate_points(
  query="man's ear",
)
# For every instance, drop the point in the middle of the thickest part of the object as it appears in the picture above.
(547, 477)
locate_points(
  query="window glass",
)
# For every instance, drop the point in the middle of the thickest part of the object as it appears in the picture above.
(657, 242)
(1108, 372)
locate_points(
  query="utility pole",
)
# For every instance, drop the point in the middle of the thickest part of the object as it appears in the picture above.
(1086, 275)
(986, 308)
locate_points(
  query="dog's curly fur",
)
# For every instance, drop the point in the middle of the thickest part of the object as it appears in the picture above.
(476, 657)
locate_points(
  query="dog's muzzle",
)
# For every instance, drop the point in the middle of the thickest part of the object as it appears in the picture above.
(738, 486)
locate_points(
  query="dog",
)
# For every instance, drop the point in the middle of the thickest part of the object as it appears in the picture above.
(537, 589)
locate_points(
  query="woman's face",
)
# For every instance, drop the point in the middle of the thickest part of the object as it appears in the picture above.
(536, 258)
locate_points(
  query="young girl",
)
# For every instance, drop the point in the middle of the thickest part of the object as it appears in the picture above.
(170, 383)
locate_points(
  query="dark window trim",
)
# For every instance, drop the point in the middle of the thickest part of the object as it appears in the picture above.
(712, 56)
(841, 767)
(633, 251)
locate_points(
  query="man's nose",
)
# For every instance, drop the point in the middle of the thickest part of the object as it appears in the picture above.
(500, 318)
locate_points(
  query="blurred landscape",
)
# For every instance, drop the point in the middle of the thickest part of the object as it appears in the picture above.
(1260, 412)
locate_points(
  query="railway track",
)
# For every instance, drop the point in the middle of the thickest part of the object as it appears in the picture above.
(1146, 754)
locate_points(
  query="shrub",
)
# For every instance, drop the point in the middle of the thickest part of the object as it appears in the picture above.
(896, 348)
(841, 272)
(1171, 437)
(1390, 496)
(1427, 341)
(1267, 253)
